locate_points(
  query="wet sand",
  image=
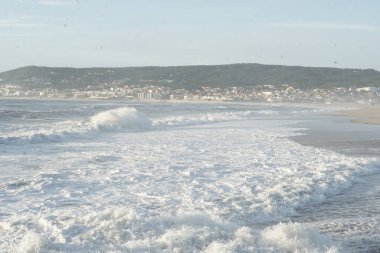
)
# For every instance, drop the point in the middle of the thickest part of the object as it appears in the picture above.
(364, 115)
(352, 216)
(342, 134)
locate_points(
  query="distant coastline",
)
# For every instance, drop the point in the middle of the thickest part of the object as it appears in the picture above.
(191, 77)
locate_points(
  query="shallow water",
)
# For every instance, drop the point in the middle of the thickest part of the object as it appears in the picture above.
(114, 176)
(353, 215)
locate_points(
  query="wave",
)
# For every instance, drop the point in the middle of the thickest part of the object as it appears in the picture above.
(209, 195)
(54, 133)
(123, 230)
(191, 120)
(123, 119)
(120, 119)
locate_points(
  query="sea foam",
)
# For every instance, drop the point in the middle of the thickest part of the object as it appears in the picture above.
(123, 230)
(225, 189)
(147, 185)
(124, 118)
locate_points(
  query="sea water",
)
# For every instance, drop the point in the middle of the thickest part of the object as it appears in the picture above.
(115, 176)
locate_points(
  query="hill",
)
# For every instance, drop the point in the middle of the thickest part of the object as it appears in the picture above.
(192, 76)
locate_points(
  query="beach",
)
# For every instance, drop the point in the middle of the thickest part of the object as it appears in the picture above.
(364, 114)
(128, 176)
(354, 133)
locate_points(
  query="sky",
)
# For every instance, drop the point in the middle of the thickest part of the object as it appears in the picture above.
(121, 33)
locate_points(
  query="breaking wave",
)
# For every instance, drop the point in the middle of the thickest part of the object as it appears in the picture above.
(123, 119)
(123, 230)
(54, 133)
(203, 190)
(191, 120)
(128, 118)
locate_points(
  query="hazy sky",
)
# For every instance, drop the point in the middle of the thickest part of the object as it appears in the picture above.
(80, 33)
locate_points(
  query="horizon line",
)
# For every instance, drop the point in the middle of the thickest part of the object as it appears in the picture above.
(190, 65)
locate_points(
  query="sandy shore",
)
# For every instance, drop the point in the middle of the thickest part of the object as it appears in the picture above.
(353, 207)
(333, 132)
(364, 115)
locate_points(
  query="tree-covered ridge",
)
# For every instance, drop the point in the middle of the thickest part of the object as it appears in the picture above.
(189, 77)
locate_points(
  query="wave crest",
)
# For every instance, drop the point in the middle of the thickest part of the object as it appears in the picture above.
(200, 119)
(126, 118)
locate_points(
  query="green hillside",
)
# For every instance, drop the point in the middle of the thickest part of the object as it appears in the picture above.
(192, 76)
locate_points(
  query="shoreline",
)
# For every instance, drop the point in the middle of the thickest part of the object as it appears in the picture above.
(369, 115)
(354, 133)
(350, 131)
(333, 107)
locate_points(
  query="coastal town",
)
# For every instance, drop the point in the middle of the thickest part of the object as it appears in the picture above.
(259, 93)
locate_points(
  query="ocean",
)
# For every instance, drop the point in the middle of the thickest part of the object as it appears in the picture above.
(118, 176)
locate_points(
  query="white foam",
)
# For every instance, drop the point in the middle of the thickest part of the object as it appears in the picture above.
(30, 243)
(193, 189)
(53, 132)
(126, 118)
(295, 237)
(200, 119)
(123, 230)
